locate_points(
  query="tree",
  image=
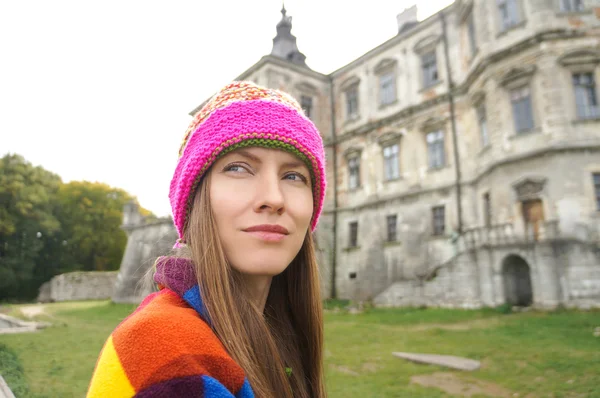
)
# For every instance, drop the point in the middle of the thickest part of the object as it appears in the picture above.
(27, 197)
(91, 216)
(48, 227)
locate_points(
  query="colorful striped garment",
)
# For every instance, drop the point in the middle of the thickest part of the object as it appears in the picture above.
(166, 348)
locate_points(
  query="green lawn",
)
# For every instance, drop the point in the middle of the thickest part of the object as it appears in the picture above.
(523, 355)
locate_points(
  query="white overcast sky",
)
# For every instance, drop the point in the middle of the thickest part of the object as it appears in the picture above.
(101, 90)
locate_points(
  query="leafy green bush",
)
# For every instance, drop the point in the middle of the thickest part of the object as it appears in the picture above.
(504, 308)
(12, 372)
(331, 304)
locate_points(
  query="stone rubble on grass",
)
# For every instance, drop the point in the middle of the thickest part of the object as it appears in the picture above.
(597, 332)
(10, 325)
(440, 360)
(5, 391)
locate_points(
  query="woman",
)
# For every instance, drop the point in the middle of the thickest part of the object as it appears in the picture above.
(238, 313)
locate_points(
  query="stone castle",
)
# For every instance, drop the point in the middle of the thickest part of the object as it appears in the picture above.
(463, 159)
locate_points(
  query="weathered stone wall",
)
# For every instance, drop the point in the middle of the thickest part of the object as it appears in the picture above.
(145, 243)
(144, 246)
(72, 286)
(563, 272)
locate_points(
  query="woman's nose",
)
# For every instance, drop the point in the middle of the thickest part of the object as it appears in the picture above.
(269, 194)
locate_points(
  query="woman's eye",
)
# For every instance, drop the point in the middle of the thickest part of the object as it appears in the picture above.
(295, 177)
(236, 168)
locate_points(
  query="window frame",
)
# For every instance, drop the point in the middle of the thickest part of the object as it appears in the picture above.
(352, 98)
(472, 33)
(392, 228)
(593, 109)
(429, 59)
(517, 98)
(438, 230)
(482, 123)
(596, 189)
(304, 97)
(439, 140)
(571, 9)
(388, 157)
(391, 90)
(353, 164)
(518, 18)
(353, 234)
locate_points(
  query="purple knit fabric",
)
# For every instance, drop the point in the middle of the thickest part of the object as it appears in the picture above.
(191, 386)
(178, 274)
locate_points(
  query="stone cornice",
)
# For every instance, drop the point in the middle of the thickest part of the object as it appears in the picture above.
(406, 112)
(501, 55)
(284, 64)
(586, 56)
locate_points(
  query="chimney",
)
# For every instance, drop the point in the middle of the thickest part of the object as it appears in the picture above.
(407, 18)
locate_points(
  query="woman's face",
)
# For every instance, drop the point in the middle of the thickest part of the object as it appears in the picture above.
(262, 202)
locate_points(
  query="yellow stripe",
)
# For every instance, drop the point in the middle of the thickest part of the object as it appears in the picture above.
(109, 379)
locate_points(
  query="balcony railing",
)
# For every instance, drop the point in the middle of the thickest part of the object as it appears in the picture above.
(503, 234)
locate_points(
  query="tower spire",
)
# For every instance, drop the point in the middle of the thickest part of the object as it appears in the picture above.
(284, 44)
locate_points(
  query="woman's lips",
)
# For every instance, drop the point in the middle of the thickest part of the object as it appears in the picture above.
(268, 232)
(267, 236)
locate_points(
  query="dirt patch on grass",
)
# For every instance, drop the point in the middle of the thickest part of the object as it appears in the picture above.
(370, 367)
(450, 383)
(344, 370)
(33, 310)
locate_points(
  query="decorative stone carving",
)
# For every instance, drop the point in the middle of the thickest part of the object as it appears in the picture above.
(385, 65)
(352, 152)
(587, 56)
(517, 76)
(427, 44)
(529, 188)
(388, 138)
(433, 123)
(307, 88)
(350, 82)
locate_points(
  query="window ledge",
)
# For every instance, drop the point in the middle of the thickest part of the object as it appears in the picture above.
(484, 150)
(353, 190)
(586, 120)
(388, 104)
(392, 180)
(573, 13)
(351, 249)
(511, 28)
(442, 236)
(437, 169)
(352, 119)
(392, 243)
(430, 86)
(525, 133)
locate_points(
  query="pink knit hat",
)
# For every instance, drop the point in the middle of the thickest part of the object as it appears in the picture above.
(244, 114)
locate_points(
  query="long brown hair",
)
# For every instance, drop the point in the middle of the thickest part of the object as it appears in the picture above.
(289, 334)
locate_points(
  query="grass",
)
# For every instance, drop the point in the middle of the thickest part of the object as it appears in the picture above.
(529, 354)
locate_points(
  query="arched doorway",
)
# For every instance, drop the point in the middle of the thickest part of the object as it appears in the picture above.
(517, 281)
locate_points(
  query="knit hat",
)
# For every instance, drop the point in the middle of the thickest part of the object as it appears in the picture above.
(243, 114)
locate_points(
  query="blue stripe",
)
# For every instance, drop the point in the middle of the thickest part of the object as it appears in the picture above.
(214, 389)
(192, 297)
(245, 391)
